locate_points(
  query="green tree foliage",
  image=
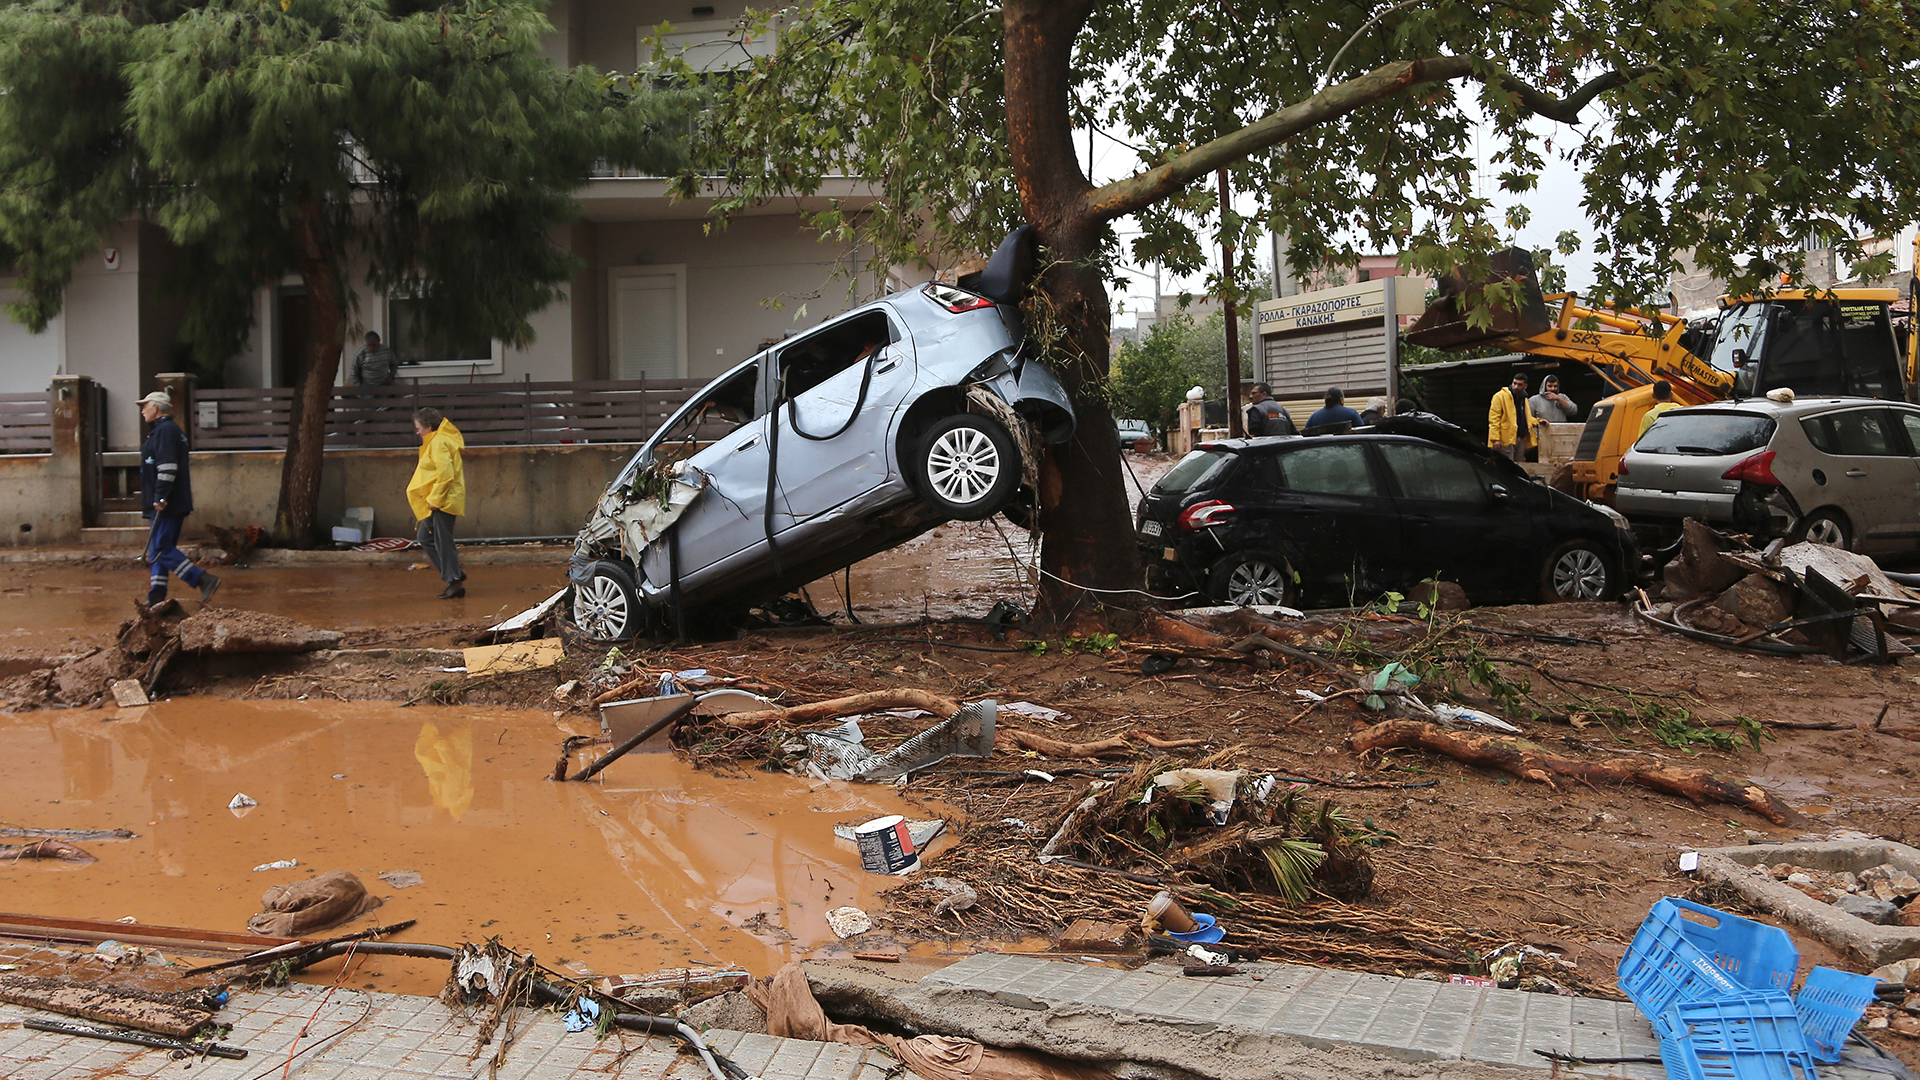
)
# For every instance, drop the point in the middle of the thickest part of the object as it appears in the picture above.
(1151, 377)
(1734, 128)
(422, 149)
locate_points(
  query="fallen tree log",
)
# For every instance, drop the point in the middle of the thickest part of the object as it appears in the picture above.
(105, 1005)
(834, 708)
(1527, 760)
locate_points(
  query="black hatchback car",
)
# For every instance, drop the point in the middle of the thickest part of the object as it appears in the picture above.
(1338, 519)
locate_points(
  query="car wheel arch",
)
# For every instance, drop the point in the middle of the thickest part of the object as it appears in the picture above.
(927, 410)
(1289, 565)
(1848, 529)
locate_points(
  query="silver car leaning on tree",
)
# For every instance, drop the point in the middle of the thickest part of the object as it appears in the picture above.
(834, 445)
(1840, 471)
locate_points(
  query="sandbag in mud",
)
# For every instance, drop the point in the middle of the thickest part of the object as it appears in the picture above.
(301, 907)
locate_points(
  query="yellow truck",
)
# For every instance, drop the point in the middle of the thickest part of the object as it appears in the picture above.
(1837, 342)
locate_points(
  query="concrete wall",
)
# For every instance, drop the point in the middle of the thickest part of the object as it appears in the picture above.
(28, 361)
(731, 276)
(603, 31)
(33, 499)
(511, 490)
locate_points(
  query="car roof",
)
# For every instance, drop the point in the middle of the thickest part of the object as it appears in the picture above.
(1414, 428)
(1761, 406)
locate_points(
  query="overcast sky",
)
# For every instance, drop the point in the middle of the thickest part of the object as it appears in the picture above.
(1555, 205)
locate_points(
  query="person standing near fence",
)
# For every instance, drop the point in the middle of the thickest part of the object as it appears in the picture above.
(373, 365)
(438, 494)
(166, 498)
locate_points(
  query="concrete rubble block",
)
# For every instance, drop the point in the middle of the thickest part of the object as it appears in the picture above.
(731, 1011)
(1700, 549)
(1758, 600)
(1878, 912)
(225, 631)
(1750, 871)
(1909, 915)
(90, 676)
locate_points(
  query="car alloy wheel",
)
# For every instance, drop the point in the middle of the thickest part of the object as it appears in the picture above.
(604, 605)
(1256, 581)
(1580, 573)
(1825, 530)
(962, 465)
(967, 467)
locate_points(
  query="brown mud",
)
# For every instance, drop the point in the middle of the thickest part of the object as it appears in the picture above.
(660, 866)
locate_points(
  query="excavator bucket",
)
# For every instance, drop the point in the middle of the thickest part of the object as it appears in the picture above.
(1444, 324)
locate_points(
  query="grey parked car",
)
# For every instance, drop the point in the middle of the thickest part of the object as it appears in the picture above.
(832, 446)
(1840, 471)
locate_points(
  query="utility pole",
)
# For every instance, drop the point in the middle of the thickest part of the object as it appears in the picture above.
(1236, 423)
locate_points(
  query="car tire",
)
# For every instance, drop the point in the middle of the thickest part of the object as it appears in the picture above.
(606, 605)
(1825, 527)
(967, 467)
(1578, 570)
(1248, 579)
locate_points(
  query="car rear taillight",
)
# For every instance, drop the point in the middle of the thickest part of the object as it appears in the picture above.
(1623, 467)
(1204, 515)
(1757, 469)
(956, 300)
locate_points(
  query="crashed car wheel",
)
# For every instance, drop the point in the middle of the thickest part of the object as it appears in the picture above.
(606, 605)
(1578, 570)
(1248, 580)
(967, 467)
(1827, 528)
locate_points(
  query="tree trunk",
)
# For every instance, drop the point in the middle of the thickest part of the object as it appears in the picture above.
(1087, 533)
(294, 522)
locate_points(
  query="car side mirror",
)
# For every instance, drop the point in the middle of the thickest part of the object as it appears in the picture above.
(1500, 493)
(1739, 358)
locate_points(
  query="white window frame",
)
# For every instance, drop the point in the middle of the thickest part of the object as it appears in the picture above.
(703, 34)
(615, 274)
(425, 369)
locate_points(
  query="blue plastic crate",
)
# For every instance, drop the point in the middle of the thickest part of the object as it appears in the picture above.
(1830, 1003)
(1751, 1036)
(1690, 952)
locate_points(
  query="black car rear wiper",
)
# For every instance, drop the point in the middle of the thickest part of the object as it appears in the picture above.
(1706, 450)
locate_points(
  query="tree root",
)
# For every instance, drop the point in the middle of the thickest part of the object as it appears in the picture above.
(1526, 760)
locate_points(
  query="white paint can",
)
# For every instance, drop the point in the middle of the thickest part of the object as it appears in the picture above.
(885, 847)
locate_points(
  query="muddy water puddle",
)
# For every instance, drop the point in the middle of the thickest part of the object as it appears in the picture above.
(658, 867)
(51, 606)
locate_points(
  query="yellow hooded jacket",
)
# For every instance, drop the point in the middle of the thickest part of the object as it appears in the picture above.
(439, 481)
(1502, 425)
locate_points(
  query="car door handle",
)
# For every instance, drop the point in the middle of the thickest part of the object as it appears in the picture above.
(1856, 473)
(748, 445)
(886, 367)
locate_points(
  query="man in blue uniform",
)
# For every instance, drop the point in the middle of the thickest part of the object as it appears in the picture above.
(166, 498)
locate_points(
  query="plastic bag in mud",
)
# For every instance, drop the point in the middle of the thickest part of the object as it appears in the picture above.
(840, 754)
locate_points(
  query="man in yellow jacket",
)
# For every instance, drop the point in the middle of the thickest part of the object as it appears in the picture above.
(1510, 420)
(438, 494)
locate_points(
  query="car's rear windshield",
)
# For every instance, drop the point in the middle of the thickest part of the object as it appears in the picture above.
(1196, 470)
(1706, 434)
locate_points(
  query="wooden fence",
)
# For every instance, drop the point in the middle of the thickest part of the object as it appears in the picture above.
(26, 423)
(488, 414)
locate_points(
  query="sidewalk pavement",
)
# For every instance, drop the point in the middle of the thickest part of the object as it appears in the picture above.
(360, 1035)
(472, 553)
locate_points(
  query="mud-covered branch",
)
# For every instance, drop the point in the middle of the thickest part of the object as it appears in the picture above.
(1526, 760)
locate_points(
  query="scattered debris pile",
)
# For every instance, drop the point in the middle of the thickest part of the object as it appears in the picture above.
(1234, 831)
(1803, 598)
(1882, 894)
(152, 640)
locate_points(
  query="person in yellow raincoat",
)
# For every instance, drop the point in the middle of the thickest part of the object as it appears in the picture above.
(1510, 420)
(438, 494)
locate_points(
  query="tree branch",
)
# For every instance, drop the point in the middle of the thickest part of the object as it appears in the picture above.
(1144, 189)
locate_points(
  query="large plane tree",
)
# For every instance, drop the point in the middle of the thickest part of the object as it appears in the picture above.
(1733, 128)
(421, 148)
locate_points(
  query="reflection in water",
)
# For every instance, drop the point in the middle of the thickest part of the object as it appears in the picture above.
(658, 866)
(448, 761)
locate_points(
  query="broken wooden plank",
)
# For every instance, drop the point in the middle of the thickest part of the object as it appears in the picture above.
(105, 1005)
(514, 656)
(1087, 935)
(41, 929)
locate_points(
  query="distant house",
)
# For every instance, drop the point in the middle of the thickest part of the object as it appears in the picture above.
(658, 297)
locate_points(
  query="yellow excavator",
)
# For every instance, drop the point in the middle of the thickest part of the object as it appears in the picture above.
(1837, 342)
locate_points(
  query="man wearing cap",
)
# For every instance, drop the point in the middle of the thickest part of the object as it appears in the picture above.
(166, 498)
